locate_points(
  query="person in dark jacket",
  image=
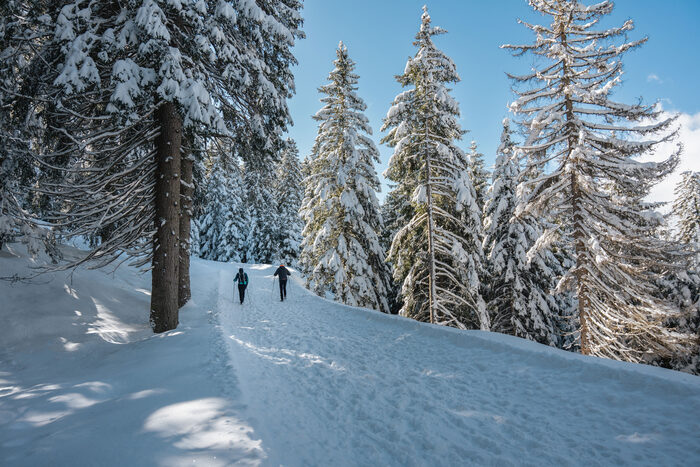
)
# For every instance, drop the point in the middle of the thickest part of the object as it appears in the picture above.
(283, 273)
(242, 279)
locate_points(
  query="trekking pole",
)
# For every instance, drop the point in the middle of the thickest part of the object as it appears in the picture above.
(272, 292)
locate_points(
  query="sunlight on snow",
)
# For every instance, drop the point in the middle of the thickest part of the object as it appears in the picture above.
(286, 356)
(95, 386)
(74, 400)
(169, 334)
(145, 393)
(8, 390)
(43, 418)
(478, 414)
(437, 374)
(68, 345)
(109, 327)
(38, 390)
(638, 438)
(71, 401)
(202, 424)
(70, 291)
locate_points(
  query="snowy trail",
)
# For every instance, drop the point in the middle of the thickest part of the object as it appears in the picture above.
(329, 384)
(83, 381)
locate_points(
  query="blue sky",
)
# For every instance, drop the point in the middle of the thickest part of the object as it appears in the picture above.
(379, 36)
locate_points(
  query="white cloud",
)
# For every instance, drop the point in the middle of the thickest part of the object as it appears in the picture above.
(654, 77)
(689, 137)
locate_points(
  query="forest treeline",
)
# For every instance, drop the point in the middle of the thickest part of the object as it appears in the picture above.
(156, 130)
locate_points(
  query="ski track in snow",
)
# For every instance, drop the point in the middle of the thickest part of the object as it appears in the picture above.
(326, 384)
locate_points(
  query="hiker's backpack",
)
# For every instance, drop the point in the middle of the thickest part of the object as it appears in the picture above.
(242, 279)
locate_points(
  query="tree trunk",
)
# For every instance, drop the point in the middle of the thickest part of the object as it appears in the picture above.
(581, 267)
(431, 252)
(576, 211)
(186, 192)
(164, 290)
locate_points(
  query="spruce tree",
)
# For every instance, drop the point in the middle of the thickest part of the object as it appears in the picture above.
(686, 210)
(289, 186)
(125, 81)
(396, 213)
(682, 287)
(17, 171)
(478, 174)
(260, 158)
(341, 253)
(223, 226)
(436, 254)
(595, 187)
(520, 293)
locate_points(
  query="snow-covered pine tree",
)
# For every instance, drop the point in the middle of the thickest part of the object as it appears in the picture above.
(124, 80)
(478, 174)
(686, 210)
(17, 173)
(260, 158)
(479, 177)
(595, 190)
(194, 237)
(520, 298)
(396, 212)
(223, 226)
(10, 167)
(341, 253)
(436, 254)
(289, 186)
(682, 287)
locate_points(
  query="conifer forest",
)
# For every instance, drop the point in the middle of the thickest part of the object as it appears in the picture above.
(156, 131)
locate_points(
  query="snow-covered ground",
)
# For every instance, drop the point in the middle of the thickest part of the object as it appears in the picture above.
(83, 381)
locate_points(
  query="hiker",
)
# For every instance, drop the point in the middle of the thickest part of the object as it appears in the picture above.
(283, 272)
(242, 279)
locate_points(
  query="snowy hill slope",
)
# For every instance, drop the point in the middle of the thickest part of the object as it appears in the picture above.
(83, 381)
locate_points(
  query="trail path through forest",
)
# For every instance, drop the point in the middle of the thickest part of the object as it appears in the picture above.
(327, 383)
(84, 381)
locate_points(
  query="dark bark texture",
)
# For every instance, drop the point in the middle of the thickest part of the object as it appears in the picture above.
(186, 193)
(166, 247)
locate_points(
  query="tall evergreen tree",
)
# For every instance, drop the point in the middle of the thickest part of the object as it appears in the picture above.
(341, 253)
(125, 80)
(478, 174)
(595, 191)
(520, 298)
(682, 287)
(17, 171)
(686, 209)
(289, 186)
(396, 212)
(436, 254)
(260, 158)
(223, 226)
